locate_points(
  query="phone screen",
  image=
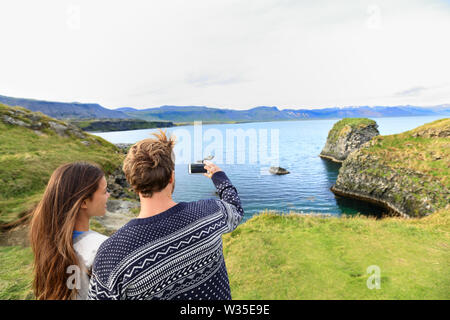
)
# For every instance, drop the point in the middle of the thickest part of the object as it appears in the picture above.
(197, 168)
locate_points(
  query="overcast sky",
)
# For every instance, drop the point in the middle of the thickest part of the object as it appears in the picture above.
(227, 53)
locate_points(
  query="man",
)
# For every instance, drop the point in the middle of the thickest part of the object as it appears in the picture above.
(172, 250)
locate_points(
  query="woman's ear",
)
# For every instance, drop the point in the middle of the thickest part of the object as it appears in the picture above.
(84, 205)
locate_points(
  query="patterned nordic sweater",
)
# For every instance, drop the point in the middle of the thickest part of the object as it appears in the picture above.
(176, 254)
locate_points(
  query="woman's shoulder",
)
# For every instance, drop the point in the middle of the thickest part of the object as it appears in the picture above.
(92, 236)
(87, 244)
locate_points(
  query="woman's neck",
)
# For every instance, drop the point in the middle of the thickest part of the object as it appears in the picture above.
(82, 223)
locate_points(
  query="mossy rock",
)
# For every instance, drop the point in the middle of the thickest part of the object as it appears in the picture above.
(31, 150)
(408, 172)
(348, 135)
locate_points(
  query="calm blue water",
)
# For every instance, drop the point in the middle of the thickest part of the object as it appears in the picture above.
(305, 189)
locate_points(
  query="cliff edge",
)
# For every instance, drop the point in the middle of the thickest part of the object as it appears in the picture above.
(408, 173)
(346, 136)
(32, 146)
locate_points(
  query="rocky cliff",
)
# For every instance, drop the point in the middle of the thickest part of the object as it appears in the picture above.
(64, 110)
(38, 122)
(32, 146)
(346, 136)
(41, 125)
(407, 173)
(119, 124)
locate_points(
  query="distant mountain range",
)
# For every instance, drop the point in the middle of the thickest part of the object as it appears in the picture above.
(192, 113)
(65, 110)
(75, 110)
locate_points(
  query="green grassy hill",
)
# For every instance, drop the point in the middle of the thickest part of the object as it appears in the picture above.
(308, 257)
(269, 256)
(32, 148)
(409, 171)
(345, 125)
(346, 136)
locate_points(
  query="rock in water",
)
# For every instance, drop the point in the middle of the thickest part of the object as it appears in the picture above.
(348, 135)
(278, 170)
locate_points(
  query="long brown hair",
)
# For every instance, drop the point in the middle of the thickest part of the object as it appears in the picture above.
(52, 226)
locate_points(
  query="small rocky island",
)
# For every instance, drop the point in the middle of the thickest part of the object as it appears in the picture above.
(346, 136)
(407, 173)
(278, 171)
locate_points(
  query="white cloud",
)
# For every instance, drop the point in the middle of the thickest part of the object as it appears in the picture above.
(234, 54)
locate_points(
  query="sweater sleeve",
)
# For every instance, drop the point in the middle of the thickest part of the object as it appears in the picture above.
(229, 200)
(97, 291)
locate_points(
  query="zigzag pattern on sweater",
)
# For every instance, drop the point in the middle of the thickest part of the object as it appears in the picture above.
(192, 266)
(181, 265)
(176, 254)
(179, 255)
(196, 275)
(175, 273)
(142, 251)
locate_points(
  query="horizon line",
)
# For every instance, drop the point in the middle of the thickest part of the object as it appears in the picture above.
(227, 108)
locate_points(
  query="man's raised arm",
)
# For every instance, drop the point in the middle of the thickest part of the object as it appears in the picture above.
(228, 194)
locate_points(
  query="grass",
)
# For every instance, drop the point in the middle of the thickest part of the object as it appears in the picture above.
(417, 162)
(345, 125)
(27, 160)
(15, 273)
(307, 257)
(430, 156)
(294, 256)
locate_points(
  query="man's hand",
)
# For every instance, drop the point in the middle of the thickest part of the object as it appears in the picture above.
(211, 168)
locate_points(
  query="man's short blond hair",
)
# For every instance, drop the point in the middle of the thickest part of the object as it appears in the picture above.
(149, 164)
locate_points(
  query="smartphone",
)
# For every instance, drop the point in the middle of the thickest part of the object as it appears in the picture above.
(197, 168)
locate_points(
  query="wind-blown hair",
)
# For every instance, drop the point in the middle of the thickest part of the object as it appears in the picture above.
(52, 226)
(149, 164)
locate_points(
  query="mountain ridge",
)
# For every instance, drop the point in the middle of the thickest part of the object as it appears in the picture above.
(77, 110)
(264, 113)
(64, 110)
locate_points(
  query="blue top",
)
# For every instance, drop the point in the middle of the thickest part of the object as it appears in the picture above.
(176, 254)
(76, 234)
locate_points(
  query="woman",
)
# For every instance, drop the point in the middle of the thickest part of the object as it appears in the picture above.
(64, 248)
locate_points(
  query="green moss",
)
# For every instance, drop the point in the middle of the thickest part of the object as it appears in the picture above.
(419, 158)
(345, 125)
(416, 161)
(27, 160)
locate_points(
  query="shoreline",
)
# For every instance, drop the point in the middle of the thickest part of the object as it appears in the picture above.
(180, 124)
(392, 210)
(331, 158)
